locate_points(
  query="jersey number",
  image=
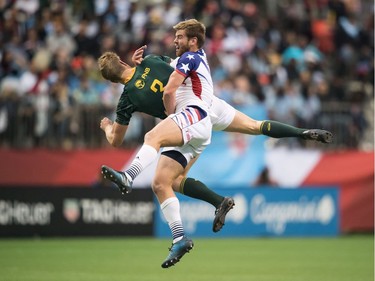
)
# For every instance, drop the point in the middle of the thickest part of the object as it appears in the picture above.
(157, 85)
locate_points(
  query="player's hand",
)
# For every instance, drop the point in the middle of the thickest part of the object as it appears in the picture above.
(137, 57)
(105, 122)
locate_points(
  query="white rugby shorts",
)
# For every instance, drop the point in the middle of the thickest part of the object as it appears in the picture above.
(221, 113)
(196, 128)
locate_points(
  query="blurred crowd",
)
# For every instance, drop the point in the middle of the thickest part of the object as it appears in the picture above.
(308, 63)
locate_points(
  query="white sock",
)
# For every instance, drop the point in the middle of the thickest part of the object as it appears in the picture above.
(171, 212)
(145, 156)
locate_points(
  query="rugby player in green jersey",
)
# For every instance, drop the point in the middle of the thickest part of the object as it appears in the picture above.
(143, 92)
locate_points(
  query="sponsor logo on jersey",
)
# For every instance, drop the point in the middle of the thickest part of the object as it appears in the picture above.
(139, 84)
(146, 72)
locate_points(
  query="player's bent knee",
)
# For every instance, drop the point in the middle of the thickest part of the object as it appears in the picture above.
(158, 182)
(157, 186)
(149, 136)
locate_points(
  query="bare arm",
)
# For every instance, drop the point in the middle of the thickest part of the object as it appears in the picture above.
(169, 96)
(114, 132)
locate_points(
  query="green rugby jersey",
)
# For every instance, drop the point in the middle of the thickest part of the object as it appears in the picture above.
(144, 91)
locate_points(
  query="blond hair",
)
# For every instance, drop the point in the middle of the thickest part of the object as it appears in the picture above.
(110, 67)
(193, 28)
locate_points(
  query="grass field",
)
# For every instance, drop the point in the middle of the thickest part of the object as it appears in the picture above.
(347, 258)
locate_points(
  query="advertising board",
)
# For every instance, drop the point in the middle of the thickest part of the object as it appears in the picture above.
(75, 212)
(262, 212)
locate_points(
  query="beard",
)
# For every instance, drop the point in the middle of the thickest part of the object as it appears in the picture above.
(182, 49)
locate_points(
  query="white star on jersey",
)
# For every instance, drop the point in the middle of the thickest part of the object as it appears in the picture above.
(185, 67)
(198, 81)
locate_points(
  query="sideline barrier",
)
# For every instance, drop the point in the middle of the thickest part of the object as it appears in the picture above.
(75, 212)
(26, 212)
(262, 212)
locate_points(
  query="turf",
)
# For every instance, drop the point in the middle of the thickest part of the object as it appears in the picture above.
(348, 258)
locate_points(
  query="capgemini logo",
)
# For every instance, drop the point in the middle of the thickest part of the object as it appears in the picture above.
(276, 215)
(326, 209)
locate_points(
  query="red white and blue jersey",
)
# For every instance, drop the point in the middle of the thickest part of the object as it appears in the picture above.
(197, 88)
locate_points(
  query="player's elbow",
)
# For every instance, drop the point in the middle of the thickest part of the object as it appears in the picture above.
(169, 96)
(167, 93)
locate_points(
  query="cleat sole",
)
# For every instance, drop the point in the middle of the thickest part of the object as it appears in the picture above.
(319, 135)
(219, 220)
(108, 174)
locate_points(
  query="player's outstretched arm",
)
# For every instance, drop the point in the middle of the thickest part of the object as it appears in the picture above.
(114, 132)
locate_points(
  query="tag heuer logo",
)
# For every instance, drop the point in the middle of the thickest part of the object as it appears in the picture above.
(71, 210)
(139, 84)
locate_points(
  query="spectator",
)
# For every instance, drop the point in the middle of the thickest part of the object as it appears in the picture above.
(87, 98)
(60, 38)
(9, 103)
(62, 113)
(265, 180)
(34, 89)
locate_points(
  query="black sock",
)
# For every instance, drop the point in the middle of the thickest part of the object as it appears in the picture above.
(197, 189)
(276, 129)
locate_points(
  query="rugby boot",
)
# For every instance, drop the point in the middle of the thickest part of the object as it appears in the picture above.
(177, 251)
(225, 206)
(117, 177)
(318, 135)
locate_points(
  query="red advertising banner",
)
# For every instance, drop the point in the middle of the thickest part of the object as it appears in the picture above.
(53, 168)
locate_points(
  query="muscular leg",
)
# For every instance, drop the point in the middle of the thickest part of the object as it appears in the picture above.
(167, 171)
(244, 124)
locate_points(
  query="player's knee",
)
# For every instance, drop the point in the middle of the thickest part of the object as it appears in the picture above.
(158, 186)
(148, 136)
(152, 138)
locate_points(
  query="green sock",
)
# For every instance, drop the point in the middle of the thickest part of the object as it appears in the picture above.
(197, 189)
(276, 129)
